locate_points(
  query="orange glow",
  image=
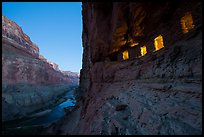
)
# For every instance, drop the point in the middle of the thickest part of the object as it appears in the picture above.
(187, 22)
(125, 55)
(158, 43)
(143, 50)
(134, 44)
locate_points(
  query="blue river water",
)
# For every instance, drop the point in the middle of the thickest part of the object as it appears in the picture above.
(55, 114)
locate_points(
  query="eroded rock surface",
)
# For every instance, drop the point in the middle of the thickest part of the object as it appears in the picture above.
(162, 90)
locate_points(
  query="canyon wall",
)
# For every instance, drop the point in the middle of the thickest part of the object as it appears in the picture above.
(29, 82)
(13, 32)
(127, 90)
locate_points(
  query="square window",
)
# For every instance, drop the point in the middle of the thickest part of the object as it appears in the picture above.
(125, 55)
(187, 22)
(158, 43)
(143, 50)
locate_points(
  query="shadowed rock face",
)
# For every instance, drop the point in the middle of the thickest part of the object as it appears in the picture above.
(28, 82)
(162, 89)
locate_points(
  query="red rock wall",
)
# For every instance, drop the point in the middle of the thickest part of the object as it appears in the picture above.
(162, 90)
(11, 30)
(20, 59)
(21, 67)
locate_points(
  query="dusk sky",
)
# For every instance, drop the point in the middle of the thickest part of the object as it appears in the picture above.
(56, 27)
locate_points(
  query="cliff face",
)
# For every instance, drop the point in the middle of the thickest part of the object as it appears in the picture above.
(14, 33)
(142, 68)
(73, 76)
(21, 61)
(21, 67)
(28, 82)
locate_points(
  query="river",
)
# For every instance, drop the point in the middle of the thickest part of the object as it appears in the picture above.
(40, 119)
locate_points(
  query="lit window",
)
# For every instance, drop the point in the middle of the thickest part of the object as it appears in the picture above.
(187, 22)
(125, 55)
(143, 50)
(158, 43)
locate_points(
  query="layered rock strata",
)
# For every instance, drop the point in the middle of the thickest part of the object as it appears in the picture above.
(159, 92)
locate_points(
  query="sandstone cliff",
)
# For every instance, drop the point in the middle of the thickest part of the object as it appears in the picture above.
(142, 69)
(28, 82)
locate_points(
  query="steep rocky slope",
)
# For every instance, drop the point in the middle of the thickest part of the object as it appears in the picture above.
(73, 76)
(14, 33)
(29, 83)
(141, 72)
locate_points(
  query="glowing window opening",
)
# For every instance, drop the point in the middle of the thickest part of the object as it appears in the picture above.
(143, 50)
(158, 43)
(187, 22)
(125, 55)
